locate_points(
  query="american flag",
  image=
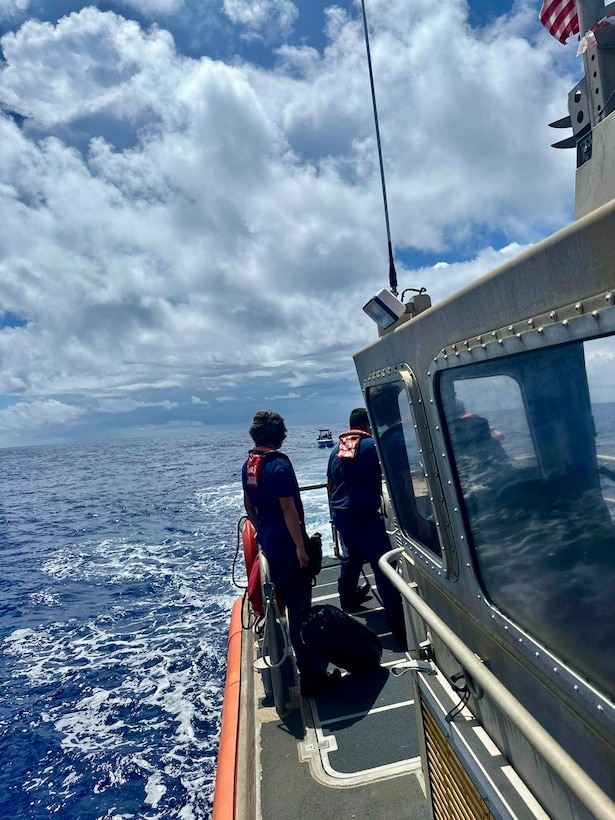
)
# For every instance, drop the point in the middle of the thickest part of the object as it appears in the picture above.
(560, 19)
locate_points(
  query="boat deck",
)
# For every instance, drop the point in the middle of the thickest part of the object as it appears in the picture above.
(352, 752)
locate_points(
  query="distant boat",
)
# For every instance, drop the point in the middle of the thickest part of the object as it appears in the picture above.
(325, 437)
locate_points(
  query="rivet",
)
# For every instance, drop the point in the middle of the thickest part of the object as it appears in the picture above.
(530, 323)
(500, 342)
(505, 628)
(556, 670)
(479, 339)
(609, 298)
(520, 640)
(494, 334)
(595, 314)
(468, 564)
(518, 335)
(553, 316)
(467, 344)
(565, 323)
(600, 708)
(576, 688)
(454, 347)
(578, 307)
(537, 654)
(541, 330)
(511, 328)
(484, 346)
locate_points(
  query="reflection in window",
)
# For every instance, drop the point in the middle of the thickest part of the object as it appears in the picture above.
(532, 443)
(403, 462)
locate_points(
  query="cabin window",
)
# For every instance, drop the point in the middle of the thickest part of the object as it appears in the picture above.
(531, 438)
(403, 462)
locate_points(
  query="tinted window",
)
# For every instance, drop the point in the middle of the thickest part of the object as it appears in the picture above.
(403, 461)
(533, 443)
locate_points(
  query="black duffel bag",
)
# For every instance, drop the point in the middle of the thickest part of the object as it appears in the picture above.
(341, 639)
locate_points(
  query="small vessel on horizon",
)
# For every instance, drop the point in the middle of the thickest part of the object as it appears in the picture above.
(325, 437)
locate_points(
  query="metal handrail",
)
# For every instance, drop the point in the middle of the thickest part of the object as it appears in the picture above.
(274, 630)
(313, 487)
(576, 779)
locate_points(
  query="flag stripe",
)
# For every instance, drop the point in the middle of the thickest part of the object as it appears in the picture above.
(560, 19)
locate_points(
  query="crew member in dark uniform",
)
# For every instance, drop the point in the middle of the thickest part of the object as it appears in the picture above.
(273, 505)
(354, 480)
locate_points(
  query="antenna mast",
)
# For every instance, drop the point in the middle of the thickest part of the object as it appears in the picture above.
(392, 271)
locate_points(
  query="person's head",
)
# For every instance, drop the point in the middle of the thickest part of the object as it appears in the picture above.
(268, 429)
(359, 420)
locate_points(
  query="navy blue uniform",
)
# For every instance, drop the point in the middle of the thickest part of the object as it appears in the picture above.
(355, 480)
(266, 479)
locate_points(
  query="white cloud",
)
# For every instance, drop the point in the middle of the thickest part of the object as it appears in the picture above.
(90, 62)
(266, 19)
(176, 224)
(12, 8)
(25, 415)
(153, 8)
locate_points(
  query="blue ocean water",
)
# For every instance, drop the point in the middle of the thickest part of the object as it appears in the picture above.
(116, 593)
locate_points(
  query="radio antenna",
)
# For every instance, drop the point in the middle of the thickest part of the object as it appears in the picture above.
(392, 271)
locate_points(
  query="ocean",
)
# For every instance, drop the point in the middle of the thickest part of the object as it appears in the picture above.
(117, 585)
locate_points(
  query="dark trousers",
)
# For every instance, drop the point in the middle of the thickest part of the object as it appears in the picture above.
(365, 539)
(295, 589)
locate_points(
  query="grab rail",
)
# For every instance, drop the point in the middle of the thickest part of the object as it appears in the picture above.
(569, 771)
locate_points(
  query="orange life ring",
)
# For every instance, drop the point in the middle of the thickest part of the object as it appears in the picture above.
(250, 547)
(255, 591)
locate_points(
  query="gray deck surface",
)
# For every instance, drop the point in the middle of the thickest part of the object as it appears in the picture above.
(361, 740)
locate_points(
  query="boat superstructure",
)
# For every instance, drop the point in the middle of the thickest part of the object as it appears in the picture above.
(502, 398)
(504, 519)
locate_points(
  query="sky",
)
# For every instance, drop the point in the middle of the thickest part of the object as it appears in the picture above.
(191, 215)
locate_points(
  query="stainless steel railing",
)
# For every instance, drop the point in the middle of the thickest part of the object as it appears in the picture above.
(575, 778)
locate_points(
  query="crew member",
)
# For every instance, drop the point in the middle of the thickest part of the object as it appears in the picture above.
(273, 505)
(354, 480)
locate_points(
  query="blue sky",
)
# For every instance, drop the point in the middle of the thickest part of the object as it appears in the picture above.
(190, 209)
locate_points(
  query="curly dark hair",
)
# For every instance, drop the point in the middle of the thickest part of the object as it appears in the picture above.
(268, 429)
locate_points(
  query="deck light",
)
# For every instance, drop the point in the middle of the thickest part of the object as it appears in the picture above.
(384, 308)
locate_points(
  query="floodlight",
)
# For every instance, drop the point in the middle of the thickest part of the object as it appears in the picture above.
(384, 308)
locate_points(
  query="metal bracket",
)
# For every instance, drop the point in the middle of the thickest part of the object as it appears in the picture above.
(426, 667)
(308, 748)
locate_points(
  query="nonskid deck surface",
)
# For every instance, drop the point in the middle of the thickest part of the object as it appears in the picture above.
(352, 752)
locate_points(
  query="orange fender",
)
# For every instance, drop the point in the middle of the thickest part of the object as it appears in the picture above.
(226, 770)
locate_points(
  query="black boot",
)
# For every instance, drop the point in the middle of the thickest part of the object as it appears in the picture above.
(397, 625)
(355, 601)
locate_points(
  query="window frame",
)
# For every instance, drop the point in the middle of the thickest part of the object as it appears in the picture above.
(401, 375)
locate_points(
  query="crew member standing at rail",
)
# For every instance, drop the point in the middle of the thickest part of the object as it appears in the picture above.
(354, 480)
(273, 505)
